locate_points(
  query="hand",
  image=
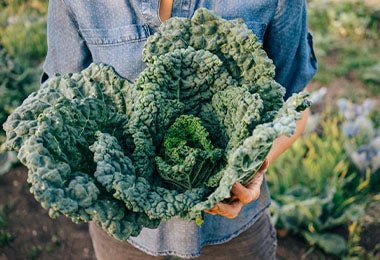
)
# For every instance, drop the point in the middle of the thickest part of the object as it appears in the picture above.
(241, 195)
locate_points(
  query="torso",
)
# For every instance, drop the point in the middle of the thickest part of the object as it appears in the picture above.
(165, 10)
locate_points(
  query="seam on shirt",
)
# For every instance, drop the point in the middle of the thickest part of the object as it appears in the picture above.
(277, 11)
(104, 45)
(73, 17)
(115, 36)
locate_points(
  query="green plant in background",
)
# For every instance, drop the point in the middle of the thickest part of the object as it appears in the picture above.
(5, 235)
(355, 251)
(371, 77)
(353, 20)
(26, 39)
(362, 137)
(313, 190)
(23, 30)
(346, 38)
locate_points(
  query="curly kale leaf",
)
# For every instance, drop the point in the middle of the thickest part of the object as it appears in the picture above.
(116, 173)
(232, 42)
(52, 131)
(97, 81)
(249, 156)
(189, 157)
(228, 83)
(179, 82)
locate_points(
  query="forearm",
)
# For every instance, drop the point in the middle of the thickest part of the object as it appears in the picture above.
(282, 143)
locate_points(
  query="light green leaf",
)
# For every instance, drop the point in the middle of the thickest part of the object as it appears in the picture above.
(330, 243)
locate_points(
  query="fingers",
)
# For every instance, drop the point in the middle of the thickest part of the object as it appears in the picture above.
(256, 181)
(241, 195)
(264, 166)
(250, 192)
(228, 210)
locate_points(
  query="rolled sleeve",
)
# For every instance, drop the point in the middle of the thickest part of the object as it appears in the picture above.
(67, 51)
(289, 44)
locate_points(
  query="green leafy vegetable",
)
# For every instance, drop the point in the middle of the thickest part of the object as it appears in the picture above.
(190, 158)
(201, 116)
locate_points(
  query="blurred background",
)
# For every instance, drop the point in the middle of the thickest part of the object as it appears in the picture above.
(325, 189)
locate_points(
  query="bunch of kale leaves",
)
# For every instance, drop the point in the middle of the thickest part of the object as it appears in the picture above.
(202, 115)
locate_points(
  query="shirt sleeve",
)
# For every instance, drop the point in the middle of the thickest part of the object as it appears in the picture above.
(67, 51)
(289, 44)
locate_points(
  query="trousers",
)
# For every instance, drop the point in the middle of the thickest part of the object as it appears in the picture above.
(257, 242)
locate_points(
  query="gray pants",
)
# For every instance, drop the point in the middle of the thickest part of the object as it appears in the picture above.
(258, 242)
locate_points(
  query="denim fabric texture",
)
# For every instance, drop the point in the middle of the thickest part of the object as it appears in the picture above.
(114, 32)
(258, 242)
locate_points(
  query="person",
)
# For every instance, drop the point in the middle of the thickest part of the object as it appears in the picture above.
(114, 33)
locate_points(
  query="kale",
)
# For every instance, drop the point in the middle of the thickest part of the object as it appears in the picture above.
(202, 115)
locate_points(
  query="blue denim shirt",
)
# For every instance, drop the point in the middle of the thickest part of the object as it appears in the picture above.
(114, 32)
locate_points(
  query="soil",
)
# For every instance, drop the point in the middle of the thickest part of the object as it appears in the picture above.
(36, 236)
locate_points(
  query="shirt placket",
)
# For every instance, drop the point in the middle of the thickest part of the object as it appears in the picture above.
(149, 10)
(181, 8)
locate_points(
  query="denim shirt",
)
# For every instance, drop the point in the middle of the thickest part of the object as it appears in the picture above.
(114, 32)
